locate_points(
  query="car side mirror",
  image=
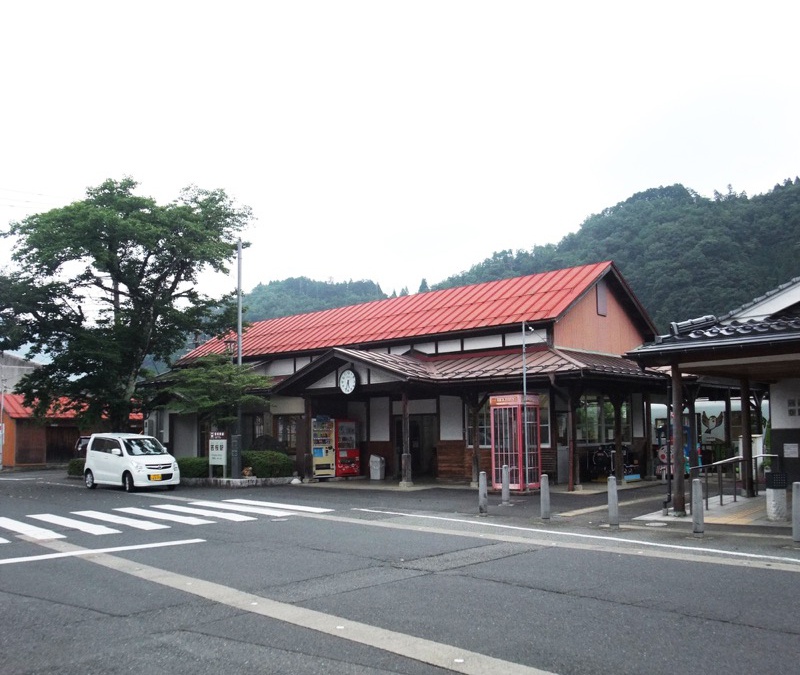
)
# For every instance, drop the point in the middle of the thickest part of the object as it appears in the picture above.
(116, 451)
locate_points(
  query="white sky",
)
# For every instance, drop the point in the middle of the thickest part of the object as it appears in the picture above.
(395, 141)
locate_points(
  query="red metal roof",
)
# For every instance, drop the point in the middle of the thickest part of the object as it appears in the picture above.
(538, 297)
(15, 409)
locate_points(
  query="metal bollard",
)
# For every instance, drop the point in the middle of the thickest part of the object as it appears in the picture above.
(545, 497)
(483, 495)
(506, 495)
(796, 512)
(698, 517)
(613, 502)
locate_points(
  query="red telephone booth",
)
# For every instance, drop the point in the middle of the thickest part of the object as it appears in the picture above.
(516, 443)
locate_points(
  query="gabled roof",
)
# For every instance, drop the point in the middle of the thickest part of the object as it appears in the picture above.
(495, 366)
(534, 298)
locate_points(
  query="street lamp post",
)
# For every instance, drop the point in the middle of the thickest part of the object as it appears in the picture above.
(236, 440)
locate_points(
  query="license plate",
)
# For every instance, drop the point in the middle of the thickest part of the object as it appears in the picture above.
(155, 476)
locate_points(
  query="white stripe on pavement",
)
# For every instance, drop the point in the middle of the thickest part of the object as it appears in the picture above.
(186, 520)
(236, 517)
(31, 531)
(90, 528)
(244, 509)
(122, 520)
(96, 551)
(290, 507)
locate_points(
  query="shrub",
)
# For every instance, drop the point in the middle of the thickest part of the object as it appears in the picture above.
(75, 467)
(193, 467)
(268, 463)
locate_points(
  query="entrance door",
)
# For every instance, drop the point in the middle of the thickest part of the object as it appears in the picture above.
(60, 442)
(422, 444)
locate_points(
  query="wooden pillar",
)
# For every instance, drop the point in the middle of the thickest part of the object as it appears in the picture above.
(648, 437)
(726, 423)
(691, 398)
(747, 440)
(302, 459)
(572, 423)
(679, 496)
(619, 463)
(405, 460)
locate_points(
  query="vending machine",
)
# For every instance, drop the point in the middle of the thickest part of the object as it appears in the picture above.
(348, 455)
(323, 443)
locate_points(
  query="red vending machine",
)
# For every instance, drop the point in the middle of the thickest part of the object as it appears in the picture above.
(348, 455)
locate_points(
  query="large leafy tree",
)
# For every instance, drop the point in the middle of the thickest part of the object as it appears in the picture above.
(102, 283)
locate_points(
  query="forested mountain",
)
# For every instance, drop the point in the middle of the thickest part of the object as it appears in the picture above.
(299, 295)
(682, 254)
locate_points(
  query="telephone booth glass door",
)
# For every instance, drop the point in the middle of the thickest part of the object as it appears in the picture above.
(515, 444)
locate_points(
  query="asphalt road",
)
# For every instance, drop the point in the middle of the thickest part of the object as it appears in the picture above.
(315, 579)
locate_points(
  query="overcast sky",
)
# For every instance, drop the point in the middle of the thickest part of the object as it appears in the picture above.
(395, 141)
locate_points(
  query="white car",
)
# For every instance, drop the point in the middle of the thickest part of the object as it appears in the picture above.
(129, 460)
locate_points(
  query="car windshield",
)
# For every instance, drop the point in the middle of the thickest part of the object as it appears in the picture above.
(144, 446)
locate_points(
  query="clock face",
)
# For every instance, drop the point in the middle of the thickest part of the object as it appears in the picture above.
(347, 381)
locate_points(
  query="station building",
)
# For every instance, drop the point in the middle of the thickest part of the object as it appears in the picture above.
(526, 372)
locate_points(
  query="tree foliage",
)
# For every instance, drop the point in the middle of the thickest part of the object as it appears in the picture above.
(102, 283)
(299, 295)
(212, 387)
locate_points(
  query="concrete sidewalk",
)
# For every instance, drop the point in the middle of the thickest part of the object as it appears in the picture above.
(744, 511)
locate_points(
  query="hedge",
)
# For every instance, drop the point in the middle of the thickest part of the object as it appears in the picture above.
(75, 467)
(264, 463)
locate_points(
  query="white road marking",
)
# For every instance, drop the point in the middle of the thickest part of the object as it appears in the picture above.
(598, 542)
(89, 551)
(235, 517)
(90, 528)
(438, 654)
(289, 507)
(186, 520)
(245, 509)
(122, 520)
(38, 533)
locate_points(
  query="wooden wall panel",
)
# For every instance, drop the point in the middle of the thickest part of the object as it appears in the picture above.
(583, 328)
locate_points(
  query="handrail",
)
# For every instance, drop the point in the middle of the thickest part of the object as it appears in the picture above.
(730, 460)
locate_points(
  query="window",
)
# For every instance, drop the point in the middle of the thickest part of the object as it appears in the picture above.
(595, 420)
(485, 423)
(602, 298)
(484, 427)
(286, 430)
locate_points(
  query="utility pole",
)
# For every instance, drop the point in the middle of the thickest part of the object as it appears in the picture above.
(236, 441)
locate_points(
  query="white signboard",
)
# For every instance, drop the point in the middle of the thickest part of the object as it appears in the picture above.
(218, 452)
(790, 450)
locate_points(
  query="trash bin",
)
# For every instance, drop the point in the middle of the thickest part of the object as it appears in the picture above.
(377, 467)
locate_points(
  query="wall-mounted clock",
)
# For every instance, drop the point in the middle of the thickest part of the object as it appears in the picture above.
(347, 381)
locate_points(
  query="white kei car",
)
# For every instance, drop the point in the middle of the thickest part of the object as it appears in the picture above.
(130, 461)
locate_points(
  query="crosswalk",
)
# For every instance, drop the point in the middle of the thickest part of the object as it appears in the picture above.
(154, 517)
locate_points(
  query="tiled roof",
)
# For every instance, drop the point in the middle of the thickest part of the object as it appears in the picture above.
(539, 361)
(708, 331)
(538, 297)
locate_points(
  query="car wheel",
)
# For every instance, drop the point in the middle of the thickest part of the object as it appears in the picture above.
(88, 479)
(127, 482)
